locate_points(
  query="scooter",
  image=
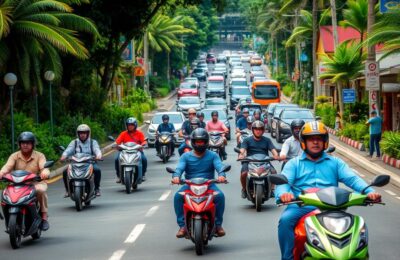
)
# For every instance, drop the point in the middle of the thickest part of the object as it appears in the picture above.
(20, 207)
(165, 141)
(243, 135)
(188, 147)
(258, 186)
(199, 210)
(330, 232)
(216, 143)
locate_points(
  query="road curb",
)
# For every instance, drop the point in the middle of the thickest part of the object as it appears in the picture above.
(359, 146)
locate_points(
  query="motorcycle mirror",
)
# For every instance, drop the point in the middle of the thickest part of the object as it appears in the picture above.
(230, 117)
(147, 122)
(48, 164)
(111, 138)
(331, 149)
(226, 168)
(170, 170)
(61, 148)
(236, 149)
(317, 118)
(278, 179)
(378, 181)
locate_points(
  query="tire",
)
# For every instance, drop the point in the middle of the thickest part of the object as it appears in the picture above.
(272, 133)
(78, 198)
(128, 181)
(164, 154)
(14, 231)
(278, 136)
(259, 191)
(88, 203)
(198, 236)
(37, 235)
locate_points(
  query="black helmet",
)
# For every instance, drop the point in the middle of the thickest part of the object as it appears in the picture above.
(257, 124)
(199, 134)
(250, 119)
(257, 111)
(195, 123)
(214, 113)
(27, 137)
(200, 114)
(296, 123)
(245, 110)
(165, 117)
(131, 121)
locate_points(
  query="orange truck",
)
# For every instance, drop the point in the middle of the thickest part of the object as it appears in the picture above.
(265, 92)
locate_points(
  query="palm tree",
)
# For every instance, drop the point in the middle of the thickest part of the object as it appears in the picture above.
(33, 35)
(345, 65)
(355, 16)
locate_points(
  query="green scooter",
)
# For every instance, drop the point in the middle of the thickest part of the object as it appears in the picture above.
(329, 232)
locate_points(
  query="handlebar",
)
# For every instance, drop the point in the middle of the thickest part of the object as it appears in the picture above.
(185, 181)
(270, 159)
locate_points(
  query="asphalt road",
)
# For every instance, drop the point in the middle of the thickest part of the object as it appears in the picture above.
(142, 225)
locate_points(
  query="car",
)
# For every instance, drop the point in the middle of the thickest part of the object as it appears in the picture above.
(285, 118)
(238, 74)
(222, 70)
(236, 64)
(256, 73)
(211, 58)
(221, 58)
(184, 103)
(216, 87)
(245, 58)
(237, 82)
(260, 78)
(251, 53)
(222, 115)
(226, 53)
(256, 68)
(252, 107)
(192, 80)
(216, 103)
(269, 114)
(200, 74)
(277, 110)
(175, 118)
(188, 89)
(255, 61)
(218, 73)
(237, 93)
(204, 67)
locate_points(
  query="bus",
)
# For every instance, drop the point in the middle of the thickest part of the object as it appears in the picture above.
(265, 92)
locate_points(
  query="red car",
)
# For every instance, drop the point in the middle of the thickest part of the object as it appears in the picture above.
(211, 58)
(188, 89)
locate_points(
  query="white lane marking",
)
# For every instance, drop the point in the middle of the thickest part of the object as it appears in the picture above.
(135, 233)
(398, 198)
(117, 255)
(165, 195)
(151, 211)
(390, 192)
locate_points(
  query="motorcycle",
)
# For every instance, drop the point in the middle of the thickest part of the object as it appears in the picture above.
(199, 210)
(243, 135)
(188, 146)
(20, 207)
(330, 232)
(258, 186)
(217, 143)
(165, 141)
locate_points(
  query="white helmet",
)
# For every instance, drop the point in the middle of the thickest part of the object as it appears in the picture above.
(83, 128)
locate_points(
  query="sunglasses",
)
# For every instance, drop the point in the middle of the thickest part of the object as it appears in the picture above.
(192, 113)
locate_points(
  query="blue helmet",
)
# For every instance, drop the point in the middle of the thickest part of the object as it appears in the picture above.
(131, 121)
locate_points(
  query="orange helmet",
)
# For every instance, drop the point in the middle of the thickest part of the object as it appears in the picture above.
(313, 128)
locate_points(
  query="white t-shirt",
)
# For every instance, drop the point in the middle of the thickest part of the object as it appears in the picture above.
(291, 148)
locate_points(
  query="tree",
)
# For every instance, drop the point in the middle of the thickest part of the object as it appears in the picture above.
(356, 16)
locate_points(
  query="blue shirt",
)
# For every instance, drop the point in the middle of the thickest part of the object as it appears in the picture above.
(328, 171)
(242, 123)
(166, 128)
(375, 125)
(199, 167)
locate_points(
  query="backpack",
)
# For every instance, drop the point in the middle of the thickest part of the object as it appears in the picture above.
(91, 146)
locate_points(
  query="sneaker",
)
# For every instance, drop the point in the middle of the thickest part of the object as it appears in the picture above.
(181, 232)
(97, 191)
(144, 178)
(118, 180)
(244, 194)
(44, 225)
(220, 232)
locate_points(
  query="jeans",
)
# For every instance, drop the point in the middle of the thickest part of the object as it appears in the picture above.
(374, 140)
(144, 163)
(97, 177)
(288, 221)
(219, 201)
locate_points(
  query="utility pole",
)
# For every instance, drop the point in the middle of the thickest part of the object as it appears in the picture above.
(314, 51)
(146, 63)
(374, 95)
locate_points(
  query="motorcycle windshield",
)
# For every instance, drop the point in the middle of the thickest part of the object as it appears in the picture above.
(81, 157)
(130, 146)
(198, 181)
(79, 169)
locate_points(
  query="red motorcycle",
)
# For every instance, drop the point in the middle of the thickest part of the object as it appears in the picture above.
(20, 207)
(199, 210)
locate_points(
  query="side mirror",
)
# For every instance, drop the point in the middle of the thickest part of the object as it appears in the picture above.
(226, 168)
(236, 149)
(378, 181)
(278, 179)
(276, 118)
(147, 122)
(61, 148)
(230, 117)
(317, 118)
(170, 170)
(111, 138)
(48, 164)
(331, 149)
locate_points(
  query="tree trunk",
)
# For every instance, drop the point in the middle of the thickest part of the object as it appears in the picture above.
(314, 50)
(334, 24)
(276, 56)
(287, 62)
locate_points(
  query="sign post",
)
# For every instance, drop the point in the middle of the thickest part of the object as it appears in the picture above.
(372, 84)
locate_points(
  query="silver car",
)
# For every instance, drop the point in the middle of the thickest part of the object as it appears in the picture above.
(175, 118)
(184, 103)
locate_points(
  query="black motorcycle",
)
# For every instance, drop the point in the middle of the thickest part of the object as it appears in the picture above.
(217, 143)
(165, 141)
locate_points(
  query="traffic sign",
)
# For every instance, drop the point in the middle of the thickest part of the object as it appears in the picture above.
(388, 5)
(371, 75)
(138, 71)
(373, 101)
(349, 95)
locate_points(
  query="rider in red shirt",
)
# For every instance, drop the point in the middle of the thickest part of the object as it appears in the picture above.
(216, 125)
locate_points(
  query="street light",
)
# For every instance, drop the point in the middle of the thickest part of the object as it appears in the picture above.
(49, 76)
(10, 79)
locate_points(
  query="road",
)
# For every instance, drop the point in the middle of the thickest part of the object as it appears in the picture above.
(142, 225)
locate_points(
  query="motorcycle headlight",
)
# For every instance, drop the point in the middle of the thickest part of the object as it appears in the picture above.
(363, 238)
(152, 130)
(337, 225)
(312, 236)
(198, 189)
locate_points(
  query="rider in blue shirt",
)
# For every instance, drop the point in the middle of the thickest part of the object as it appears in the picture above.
(313, 169)
(199, 163)
(166, 126)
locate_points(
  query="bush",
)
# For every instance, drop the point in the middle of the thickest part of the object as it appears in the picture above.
(162, 92)
(327, 113)
(357, 131)
(288, 90)
(390, 144)
(322, 99)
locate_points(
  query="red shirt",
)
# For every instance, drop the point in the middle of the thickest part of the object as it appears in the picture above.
(136, 137)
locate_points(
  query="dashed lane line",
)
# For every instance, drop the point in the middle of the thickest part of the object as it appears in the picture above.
(165, 195)
(117, 255)
(398, 198)
(134, 234)
(390, 192)
(151, 211)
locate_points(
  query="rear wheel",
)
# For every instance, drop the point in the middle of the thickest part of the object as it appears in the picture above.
(78, 198)
(128, 181)
(198, 236)
(14, 231)
(278, 136)
(259, 191)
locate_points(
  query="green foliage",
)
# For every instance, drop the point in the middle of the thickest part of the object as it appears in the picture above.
(356, 131)
(390, 144)
(288, 90)
(327, 113)
(162, 92)
(322, 99)
(357, 112)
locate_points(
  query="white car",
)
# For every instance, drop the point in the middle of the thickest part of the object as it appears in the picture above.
(176, 118)
(192, 80)
(238, 74)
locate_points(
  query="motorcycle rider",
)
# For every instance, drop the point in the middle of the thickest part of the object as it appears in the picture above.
(187, 128)
(28, 159)
(291, 147)
(312, 169)
(200, 116)
(83, 144)
(166, 126)
(216, 125)
(257, 115)
(255, 144)
(242, 122)
(200, 163)
(131, 134)
(249, 121)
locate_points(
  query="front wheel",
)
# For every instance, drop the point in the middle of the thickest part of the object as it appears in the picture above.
(78, 198)
(259, 191)
(198, 236)
(14, 231)
(164, 154)
(128, 181)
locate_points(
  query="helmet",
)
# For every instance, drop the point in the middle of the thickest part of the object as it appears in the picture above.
(83, 128)
(296, 123)
(257, 124)
(27, 137)
(248, 100)
(165, 117)
(214, 113)
(191, 110)
(245, 110)
(250, 120)
(257, 111)
(200, 114)
(131, 121)
(199, 134)
(312, 129)
(195, 123)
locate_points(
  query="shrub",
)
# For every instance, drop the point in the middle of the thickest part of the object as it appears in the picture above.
(162, 92)
(288, 90)
(322, 99)
(327, 113)
(390, 144)
(357, 131)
